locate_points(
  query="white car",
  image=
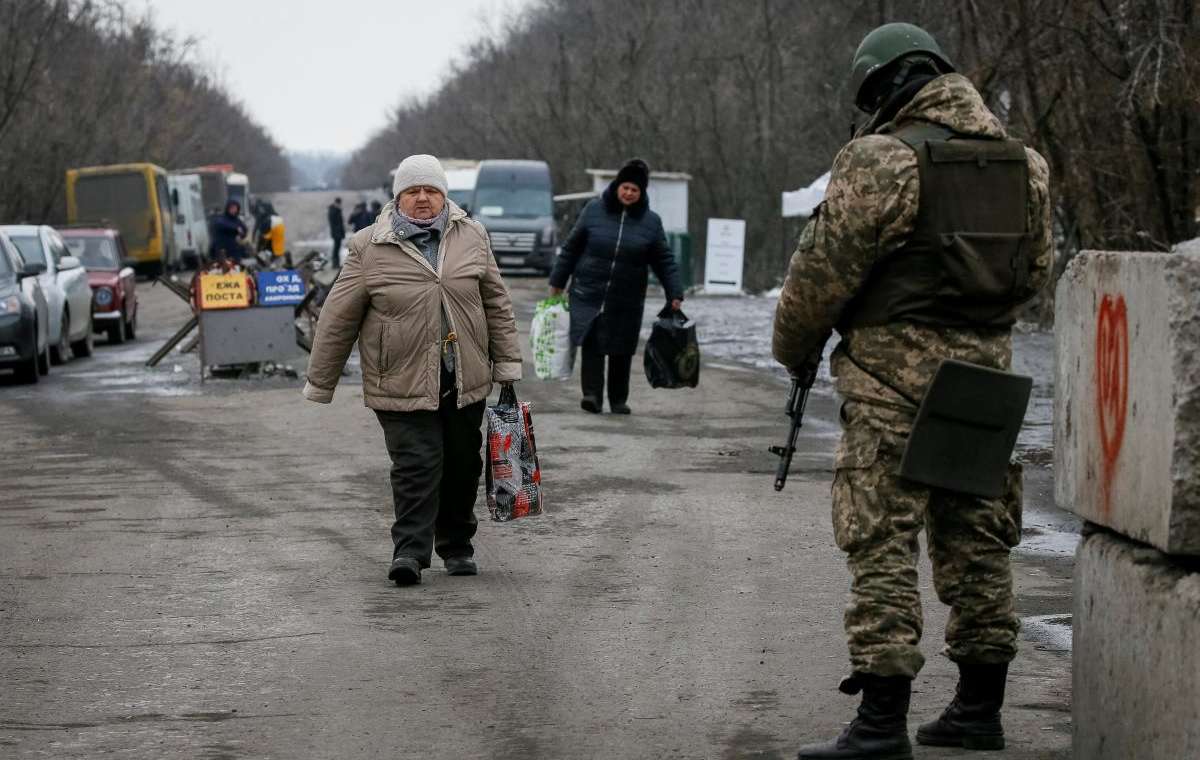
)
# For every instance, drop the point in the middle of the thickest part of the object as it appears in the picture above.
(65, 285)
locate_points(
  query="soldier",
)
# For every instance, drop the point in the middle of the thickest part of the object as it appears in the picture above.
(934, 228)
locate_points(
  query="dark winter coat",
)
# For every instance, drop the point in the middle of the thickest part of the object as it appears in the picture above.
(226, 230)
(607, 258)
(360, 219)
(337, 226)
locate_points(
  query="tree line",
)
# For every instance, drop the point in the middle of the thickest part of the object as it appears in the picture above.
(751, 98)
(84, 82)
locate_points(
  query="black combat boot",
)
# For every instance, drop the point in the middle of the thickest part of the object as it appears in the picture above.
(972, 721)
(880, 732)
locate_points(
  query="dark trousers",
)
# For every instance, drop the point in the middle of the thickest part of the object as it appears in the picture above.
(591, 373)
(336, 256)
(436, 465)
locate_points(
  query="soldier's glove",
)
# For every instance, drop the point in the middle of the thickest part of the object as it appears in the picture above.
(806, 373)
(851, 684)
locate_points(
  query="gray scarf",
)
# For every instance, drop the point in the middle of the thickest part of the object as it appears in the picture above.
(425, 234)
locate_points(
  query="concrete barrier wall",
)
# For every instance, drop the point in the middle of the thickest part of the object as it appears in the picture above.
(1127, 416)
(1136, 656)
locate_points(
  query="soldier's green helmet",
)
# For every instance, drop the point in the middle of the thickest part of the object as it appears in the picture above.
(883, 47)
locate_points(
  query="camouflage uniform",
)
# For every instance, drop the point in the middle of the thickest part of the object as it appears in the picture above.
(870, 209)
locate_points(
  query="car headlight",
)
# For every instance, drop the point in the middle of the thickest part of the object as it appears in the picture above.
(548, 235)
(103, 296)
(10, 305)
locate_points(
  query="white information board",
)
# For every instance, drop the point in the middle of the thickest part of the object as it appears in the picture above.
(723, 256)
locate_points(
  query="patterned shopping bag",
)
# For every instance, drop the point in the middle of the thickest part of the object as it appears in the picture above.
(513, 477)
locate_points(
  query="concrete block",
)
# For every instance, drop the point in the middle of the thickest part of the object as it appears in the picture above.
(1127, 385)
(1136, 666)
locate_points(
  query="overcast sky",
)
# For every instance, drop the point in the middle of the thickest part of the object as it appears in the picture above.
(324, 74)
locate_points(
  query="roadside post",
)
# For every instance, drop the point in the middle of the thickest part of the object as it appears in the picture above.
(724, 256)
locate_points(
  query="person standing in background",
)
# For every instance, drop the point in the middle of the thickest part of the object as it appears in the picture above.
(358, 217)
(616, 241)
(337, 231)
(228, 233)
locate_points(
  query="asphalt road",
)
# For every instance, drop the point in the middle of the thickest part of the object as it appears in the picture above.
(194, 571)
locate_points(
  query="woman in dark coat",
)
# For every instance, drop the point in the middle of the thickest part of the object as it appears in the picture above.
(616, 241)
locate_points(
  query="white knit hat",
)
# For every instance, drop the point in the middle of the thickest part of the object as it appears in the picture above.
(421, 169)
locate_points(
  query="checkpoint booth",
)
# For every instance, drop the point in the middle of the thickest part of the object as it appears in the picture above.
(247, 319)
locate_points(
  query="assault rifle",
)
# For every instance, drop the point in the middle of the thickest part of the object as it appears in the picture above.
(802, 383)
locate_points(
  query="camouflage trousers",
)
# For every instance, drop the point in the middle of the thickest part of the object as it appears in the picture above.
(877, 519)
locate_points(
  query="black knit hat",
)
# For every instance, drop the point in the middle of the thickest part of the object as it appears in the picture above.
(635, 171)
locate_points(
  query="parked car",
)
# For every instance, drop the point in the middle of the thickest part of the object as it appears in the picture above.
(190, 222)
(65, 284)
(111, 277)
(24, 338)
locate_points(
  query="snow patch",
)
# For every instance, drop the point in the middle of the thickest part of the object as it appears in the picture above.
(1188, 246)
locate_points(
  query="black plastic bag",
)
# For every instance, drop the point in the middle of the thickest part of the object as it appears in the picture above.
(673, 354)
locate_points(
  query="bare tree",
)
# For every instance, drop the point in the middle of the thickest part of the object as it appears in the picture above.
(84, 83)
(749, 96)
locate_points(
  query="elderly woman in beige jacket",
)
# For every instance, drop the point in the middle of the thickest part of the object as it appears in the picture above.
(421, 294)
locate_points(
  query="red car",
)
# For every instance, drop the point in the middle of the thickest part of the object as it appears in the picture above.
(114, 297)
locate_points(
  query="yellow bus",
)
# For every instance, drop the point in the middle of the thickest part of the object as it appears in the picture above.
(136, 200)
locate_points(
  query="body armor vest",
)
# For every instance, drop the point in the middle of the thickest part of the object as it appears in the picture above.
(968, 259)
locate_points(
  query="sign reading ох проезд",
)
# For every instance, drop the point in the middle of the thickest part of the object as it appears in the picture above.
(280, 288)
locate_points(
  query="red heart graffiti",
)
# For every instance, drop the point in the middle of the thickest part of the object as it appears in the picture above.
(1112, 381)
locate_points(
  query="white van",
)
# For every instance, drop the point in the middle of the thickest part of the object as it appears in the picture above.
(191, 224)
(237, 187)
(460, 181)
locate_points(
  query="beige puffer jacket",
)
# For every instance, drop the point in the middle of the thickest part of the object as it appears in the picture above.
(390, 300)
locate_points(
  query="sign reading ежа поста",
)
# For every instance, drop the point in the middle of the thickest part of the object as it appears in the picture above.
(224, 291)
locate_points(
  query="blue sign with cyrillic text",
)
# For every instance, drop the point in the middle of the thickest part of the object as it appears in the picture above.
(280, 288)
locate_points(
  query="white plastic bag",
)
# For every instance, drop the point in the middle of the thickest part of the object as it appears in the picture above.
(550, 336)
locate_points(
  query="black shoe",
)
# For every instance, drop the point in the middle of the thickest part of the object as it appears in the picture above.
(460, 566)
(880, 731)
(620, 407)
(972, 721)
(590, 404)
(405, 571)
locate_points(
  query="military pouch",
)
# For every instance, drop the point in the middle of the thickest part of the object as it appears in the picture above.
(966, 429)
(984, 268)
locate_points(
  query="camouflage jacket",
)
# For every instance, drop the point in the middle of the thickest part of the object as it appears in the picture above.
(870, 209)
